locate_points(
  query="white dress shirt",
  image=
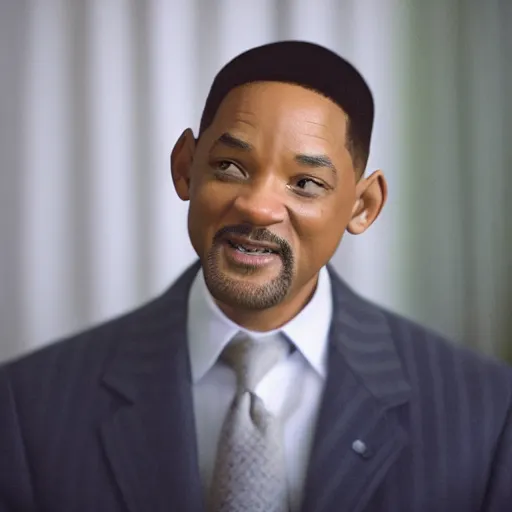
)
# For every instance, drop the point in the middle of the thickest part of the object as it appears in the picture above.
(292, 390)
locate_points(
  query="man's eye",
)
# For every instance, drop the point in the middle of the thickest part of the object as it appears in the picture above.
(225, 170)
(309, 186)
(226, 167)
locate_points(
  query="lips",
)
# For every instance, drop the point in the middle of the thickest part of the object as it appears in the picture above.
(250, 250)
(251, 246)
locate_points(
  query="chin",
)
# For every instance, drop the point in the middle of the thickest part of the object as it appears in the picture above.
(246, 296)
(250, 292)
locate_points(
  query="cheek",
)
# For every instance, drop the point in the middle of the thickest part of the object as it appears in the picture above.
(319, 230)
(208, 201)
(206, 210)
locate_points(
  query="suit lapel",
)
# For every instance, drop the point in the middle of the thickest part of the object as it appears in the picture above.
(149, 439)
(358, 435)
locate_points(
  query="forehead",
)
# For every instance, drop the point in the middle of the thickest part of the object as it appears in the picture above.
(280, 111)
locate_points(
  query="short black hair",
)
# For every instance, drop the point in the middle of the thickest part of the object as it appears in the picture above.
(311, 66)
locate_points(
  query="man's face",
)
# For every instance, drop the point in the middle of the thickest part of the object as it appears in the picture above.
(271, 187)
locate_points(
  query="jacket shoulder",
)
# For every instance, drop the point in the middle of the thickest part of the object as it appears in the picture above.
(88, 350)
(421, 338)
(82, 357)
(455, 370)
(419, 347)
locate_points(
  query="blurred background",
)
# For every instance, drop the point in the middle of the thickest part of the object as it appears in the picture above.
(94, 94)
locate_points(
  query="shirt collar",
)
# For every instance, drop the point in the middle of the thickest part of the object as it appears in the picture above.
(210, 330)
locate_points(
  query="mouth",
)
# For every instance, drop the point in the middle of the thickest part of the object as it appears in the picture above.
(251, 247)
(243, 253)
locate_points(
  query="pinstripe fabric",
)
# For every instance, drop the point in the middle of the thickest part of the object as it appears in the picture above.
(104, 421)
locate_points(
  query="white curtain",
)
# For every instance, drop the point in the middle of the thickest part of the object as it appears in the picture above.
(94, 93)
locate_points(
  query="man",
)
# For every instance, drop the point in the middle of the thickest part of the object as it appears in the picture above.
(260, 381)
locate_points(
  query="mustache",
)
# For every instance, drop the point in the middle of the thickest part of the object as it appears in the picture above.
(254, 234)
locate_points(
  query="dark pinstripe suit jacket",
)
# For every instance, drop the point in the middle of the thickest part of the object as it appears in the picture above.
(104, 421)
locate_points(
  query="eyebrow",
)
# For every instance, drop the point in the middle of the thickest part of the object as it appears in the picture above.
(226, 139)
(316, 161)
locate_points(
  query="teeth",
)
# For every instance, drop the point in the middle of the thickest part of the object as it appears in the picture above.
(254, 251)
(241, 248)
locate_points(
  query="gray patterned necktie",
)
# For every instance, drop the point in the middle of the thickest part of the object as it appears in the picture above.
(250, 473)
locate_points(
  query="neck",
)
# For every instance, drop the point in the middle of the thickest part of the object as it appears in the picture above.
(272, 318)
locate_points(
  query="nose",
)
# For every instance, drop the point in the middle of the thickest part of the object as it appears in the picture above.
(260, 204)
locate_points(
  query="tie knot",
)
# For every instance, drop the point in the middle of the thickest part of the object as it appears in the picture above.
(252, 359)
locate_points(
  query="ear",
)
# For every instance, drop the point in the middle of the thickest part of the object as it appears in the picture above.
(182, 157)
(371, 195)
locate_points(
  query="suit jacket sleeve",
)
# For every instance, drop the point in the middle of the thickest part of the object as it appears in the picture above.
(16, 494)
(499, 493)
